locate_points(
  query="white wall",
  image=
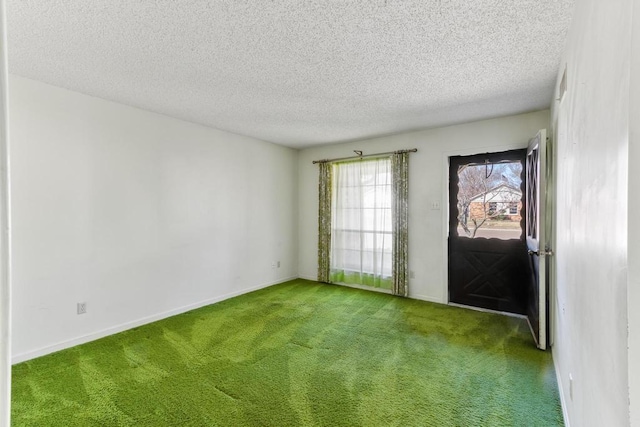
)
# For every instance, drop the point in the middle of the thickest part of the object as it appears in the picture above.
(634, 214)
(138, 214)
(5, 246)
(428, 175)
(592, 125)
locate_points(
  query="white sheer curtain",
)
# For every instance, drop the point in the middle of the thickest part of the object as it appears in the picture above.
(361, 224)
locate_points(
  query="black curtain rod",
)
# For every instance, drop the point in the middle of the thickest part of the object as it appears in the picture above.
(413, 150)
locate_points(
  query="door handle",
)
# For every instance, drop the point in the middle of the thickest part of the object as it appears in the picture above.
(539, 253)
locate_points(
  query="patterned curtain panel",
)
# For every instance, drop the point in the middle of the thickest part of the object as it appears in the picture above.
(324, 221)
(400, 215)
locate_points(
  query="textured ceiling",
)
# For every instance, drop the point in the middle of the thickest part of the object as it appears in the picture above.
(298, 73)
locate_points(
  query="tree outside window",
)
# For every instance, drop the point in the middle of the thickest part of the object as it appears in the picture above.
(489, 200)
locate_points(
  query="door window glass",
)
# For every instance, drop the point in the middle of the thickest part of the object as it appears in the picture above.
(490, 200)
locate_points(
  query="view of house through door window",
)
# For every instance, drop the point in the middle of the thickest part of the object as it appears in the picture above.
(490, 200)
(362, 229)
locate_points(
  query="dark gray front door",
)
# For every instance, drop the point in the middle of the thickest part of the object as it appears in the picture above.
(488, 261)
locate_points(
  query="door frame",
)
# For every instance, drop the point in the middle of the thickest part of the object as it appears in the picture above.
(550, 228)
(540, 273)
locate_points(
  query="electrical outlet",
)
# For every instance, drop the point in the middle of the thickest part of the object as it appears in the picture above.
(273, 265)
(435, 205)
(82, 307)
(278, 264)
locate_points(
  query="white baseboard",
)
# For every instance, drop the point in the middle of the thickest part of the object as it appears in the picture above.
(22, 357)
(563, 402)
(427, 298)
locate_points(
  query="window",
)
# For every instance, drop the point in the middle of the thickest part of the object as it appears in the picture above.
(362, 228)
(489, 200)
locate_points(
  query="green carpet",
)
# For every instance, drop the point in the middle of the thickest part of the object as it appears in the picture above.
(299, 354)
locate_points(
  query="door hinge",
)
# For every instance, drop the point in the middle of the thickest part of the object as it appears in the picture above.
(548, 252)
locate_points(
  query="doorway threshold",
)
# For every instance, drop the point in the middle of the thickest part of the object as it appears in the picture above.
(487, 310)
